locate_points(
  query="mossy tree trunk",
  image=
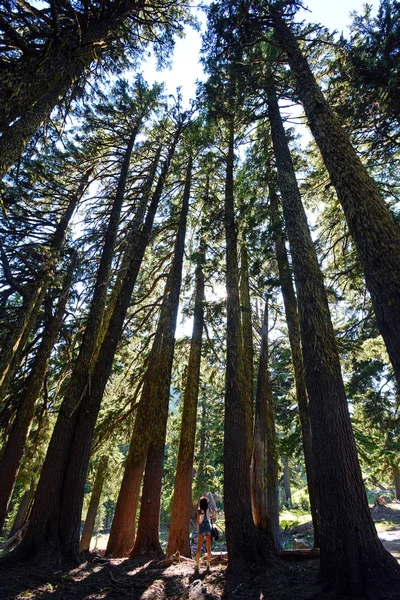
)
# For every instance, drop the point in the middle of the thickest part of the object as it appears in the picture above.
(37, 83)
(94, 504)
(179, 530)
(12, 453)
(293, 324)
(353, 559)
(241, 533)
(48, 534)
(122, 534)
(265, 461)
(376, 236)
(248, 349)
(147, 538)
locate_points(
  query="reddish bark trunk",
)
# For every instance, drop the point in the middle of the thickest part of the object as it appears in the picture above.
(178, 538)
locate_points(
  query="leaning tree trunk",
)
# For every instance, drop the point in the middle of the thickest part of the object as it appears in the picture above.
(179, 530)
(11, 456)
(73, 491)
(94, 504)
(376, 236)
(16, 341)
(33, 297)
(241, 534)
(43, 534)
(293, 324)
(353, 559)
(147, 538)
(23, 510)
(39, 81)
(122, 534)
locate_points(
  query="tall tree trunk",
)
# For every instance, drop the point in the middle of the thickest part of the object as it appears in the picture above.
(43, 534)
(241, 534)
(286, 482)
(16, 341)
(73, 490)
(265, 467)
(12, 453)
(94, 504)
(147, 538)
(370, 223)
(41, 80)
(33, 297)
(396, 479)
(293, 324)
(179, 530)
(247, 336)
(122, 534)
(258, 462)
(353, 559)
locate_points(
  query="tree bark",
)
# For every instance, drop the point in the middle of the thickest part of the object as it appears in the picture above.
(147, 538)
(179, 530)
(286, 482)
(48, 533)
(241, 534)
(12, 453)
(293, 324)
(35, 85)
(353, 559)
(248, 350)
(122, 534)
(370, 223)
(23, 510)
(94, 504)
(258, 463)
(396, 477)
(33, 296)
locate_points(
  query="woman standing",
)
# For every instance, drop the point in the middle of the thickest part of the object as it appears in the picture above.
(204, 516)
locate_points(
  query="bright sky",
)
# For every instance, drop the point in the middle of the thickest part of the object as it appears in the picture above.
(334, 14)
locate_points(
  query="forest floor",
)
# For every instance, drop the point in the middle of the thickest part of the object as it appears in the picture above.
(119, 579)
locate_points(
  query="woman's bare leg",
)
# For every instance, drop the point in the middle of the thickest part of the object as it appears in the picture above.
(208, 544)
(200, 540)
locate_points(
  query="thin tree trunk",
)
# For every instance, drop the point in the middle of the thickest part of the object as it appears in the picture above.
(11, 456)
(293, 324)
(33, 297)
(23, 510)
(286, 482)
(122, 534)
(147, 538)
(241, 534)
(353, 559)
(15, 344)
(376, 236)
(94, 504)
(248, 351)
(258, 463)
(272, 460)
(43, 534)
(396, 477)
(179, 530)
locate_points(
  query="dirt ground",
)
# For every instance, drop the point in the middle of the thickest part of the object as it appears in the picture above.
(120, 579)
